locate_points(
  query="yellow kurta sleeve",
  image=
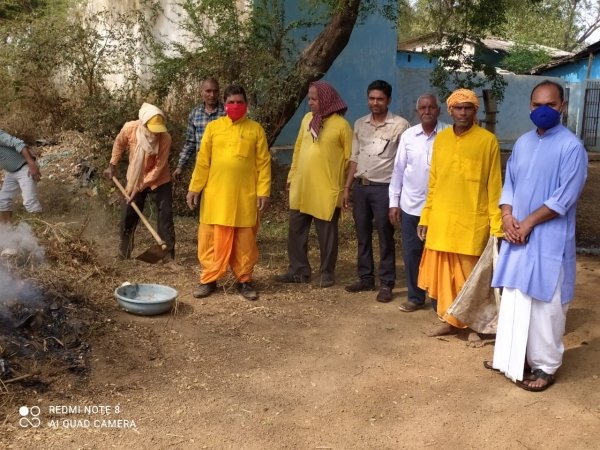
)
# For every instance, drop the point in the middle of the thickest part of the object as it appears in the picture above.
(263, 165)
(298, 146)
(494, 188)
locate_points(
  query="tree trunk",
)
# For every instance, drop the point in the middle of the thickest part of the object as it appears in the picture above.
(315, 60)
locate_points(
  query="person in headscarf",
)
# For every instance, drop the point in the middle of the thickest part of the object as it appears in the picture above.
(461, 209)
(316, 184)
(148, 144)
(233, 173)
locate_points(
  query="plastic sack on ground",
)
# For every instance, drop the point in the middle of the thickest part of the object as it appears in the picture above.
(477, 304)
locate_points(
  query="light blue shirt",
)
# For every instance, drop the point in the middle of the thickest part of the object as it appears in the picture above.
(543, 170)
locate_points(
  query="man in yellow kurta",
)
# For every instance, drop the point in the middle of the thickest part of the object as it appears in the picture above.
(233, 169)
(461, 210)
(316, 184)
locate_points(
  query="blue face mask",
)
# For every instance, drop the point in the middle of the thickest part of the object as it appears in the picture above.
(545, 117)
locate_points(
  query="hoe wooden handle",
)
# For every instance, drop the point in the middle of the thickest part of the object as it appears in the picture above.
(139, 213)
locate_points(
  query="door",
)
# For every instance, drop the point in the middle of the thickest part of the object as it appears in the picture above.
(591, 115)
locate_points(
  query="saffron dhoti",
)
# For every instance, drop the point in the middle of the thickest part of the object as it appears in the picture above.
(221, 247)
(443, 275)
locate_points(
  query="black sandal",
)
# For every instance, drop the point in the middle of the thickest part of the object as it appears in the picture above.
(488, 365)
(538, 374)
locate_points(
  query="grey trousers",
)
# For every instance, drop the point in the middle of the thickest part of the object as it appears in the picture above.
(327, 235)
(370, 205)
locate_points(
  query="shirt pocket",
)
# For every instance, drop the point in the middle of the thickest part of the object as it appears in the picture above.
(471, 169)
(373, 146)
(246, 145)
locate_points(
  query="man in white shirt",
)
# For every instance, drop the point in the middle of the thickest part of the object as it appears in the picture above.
(408, 191)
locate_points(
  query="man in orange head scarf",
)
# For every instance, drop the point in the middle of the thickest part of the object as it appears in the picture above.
(316, 184)
(461, 210)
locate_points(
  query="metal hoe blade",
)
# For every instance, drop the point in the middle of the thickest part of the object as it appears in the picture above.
(153, 255)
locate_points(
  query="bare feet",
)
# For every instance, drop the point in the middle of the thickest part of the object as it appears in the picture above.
(474, 340)
(442, 330)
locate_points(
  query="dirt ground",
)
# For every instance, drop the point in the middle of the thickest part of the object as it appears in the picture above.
(303, 367)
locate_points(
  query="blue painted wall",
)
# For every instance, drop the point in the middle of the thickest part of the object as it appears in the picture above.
(576, 71)
(574, 75)
(369, 55)
(372, 54)
(512, 119)
(411, 60)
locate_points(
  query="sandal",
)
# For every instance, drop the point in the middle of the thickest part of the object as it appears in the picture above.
(488, 365)
(527, 375)
(538, 374)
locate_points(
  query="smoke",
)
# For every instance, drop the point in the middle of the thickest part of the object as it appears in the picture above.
(19, 240)
(18, 245)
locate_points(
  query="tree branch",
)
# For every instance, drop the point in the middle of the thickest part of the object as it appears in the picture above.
(315, 60)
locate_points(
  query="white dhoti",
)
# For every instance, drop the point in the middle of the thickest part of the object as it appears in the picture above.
(529, 328)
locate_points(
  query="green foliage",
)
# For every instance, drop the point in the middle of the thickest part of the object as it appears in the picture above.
(10, 9)
(522, 58)
(55, 70)
(461, 70)
(562, 24)
(462, 23)
(252, 48)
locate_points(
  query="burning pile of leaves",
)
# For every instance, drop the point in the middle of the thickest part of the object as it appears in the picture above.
(45, 315)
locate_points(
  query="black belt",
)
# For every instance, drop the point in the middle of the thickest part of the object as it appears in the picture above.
(21, 166)
(366, 182)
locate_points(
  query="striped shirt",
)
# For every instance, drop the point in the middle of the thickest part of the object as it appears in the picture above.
(197, 122)
(11, 147)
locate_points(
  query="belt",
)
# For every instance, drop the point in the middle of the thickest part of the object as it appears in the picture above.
(366, 182)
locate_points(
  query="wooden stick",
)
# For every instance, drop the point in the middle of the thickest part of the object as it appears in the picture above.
(12, 380)
(139, 213)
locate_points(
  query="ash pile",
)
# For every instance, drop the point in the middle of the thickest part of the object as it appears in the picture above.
(43, 329)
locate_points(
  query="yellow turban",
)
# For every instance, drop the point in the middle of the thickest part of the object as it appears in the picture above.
(462, 96)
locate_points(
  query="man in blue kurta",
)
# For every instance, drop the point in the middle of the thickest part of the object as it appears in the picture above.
(536, 265)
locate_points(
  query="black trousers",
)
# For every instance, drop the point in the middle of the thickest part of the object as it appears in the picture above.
(327, 235)
(163, 198)
(370, 204)
(412, 250)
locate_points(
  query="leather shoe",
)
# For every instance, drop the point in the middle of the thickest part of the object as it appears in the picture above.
(247, 291)
(204, 290)
(361, 285)
(409, 306)
(384, 295)
(325, 282)
(291, 278)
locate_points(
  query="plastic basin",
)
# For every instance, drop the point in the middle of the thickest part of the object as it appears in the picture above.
(145, 299)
